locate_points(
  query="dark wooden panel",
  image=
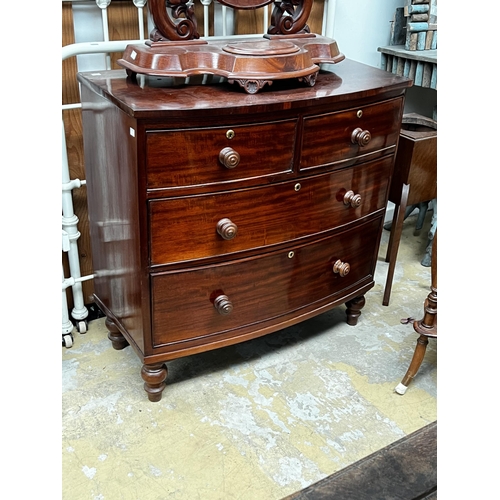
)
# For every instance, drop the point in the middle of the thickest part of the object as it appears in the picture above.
(191, 157)
(404, 470)
(260, 288)
(327, 138)
(113, 203)
(264, 216)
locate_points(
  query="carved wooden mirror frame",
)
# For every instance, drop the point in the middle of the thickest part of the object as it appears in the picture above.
(289, 17)
(288, 50)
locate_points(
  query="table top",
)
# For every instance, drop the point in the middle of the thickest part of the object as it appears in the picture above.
(149, 97)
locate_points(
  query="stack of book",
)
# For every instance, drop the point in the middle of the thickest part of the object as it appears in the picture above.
(421, 24)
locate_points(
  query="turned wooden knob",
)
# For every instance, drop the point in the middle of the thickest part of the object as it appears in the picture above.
(223, 305)
(341, 268)
(229, 157)
(361, 137)
(352, 199)
(227, 229)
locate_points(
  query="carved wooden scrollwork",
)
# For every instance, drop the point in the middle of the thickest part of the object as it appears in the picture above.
(287, 51)
(182, 25)
(289, 17)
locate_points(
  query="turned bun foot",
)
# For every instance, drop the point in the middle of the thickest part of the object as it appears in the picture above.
(154, 377)
(353, 311)
(118, 341)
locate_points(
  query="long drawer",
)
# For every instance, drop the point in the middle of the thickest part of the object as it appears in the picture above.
(196, 157)
(335, 137)
(195, 227)
(232, 296)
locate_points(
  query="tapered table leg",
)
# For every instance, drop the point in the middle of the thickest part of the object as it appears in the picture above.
(393, 247)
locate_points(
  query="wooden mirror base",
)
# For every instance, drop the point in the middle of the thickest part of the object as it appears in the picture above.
(252, 63)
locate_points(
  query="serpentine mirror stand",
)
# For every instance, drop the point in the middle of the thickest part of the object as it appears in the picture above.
(287, 51)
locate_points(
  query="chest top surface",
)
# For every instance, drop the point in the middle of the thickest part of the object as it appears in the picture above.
(153, 97)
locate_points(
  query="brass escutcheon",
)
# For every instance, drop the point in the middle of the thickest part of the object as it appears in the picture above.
(230, 134)
(297, 186)
(359, 114)
(291, 254)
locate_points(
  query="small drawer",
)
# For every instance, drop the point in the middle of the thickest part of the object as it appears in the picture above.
(337, 137)
(235, 296)
(195, 157)
(201, 226)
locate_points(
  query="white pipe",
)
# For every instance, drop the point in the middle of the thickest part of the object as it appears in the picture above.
(206, 17)
(69, 224)
(67, 325)
(67, 282)
(329, 18)
(75, 49)
(224, 20)
(266, 19)
(103, 4)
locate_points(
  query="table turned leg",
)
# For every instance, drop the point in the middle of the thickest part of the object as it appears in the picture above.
(154, 376)
(416, 361)
(425, 327)
(353, 311)
(118, 341)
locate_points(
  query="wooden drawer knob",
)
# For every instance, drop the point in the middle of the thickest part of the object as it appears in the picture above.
(229, 157)
(341, 268)
(223, 305)
(352, 199)
(361, 137)
(227, 229)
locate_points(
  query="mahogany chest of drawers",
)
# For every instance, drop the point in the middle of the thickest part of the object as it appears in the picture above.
(217, 216)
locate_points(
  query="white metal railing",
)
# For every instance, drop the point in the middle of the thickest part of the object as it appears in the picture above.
(223, 22)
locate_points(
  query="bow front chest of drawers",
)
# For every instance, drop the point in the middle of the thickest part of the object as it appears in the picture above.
(218, 216)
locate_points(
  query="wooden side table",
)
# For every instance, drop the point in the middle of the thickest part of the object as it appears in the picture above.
(414, 180)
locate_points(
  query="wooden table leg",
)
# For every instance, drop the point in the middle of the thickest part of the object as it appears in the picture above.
(426, 327)
(393, 247)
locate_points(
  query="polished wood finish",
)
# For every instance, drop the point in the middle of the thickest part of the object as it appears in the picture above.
(414, 180)
(252, 63)
(406, 469)
(288, 50)
(122, 18)
(191, 255)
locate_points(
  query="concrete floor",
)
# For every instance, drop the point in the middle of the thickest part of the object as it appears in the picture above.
(259, 420)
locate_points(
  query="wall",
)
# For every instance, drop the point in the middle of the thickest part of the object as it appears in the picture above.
(361, 26)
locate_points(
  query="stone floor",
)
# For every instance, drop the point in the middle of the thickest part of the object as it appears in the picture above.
(259, 420)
